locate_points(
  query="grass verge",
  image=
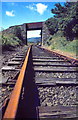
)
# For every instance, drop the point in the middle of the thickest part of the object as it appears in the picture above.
(59, 44)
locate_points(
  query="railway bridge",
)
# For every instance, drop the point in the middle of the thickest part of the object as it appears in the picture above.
(28, 27)
(34, 26)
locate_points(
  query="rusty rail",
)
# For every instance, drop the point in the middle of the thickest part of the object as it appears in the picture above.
(12, 107)
(71, 59)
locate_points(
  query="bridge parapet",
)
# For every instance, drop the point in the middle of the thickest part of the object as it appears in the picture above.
(34, 26)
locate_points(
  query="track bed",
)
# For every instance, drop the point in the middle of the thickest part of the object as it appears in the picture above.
(57, 85)
(46, 87)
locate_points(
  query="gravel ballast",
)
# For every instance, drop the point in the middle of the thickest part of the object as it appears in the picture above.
(58, 95)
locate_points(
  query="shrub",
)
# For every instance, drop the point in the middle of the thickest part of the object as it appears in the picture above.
(10, 40)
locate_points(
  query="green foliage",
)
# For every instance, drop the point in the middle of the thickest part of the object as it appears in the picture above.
(52, 25)
(63, 28)
(65, 19)
(59, 42)
(48, 42)
(58, 10)
(10, 40)
(72, 46)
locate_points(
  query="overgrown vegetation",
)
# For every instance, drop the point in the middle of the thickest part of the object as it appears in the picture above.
(17, 32)
(63, 27)
(10, 40)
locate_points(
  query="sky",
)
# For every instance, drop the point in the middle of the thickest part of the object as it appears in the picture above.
(17, 13)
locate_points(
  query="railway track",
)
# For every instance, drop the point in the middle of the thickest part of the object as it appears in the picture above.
(8, 77)
(46, 87)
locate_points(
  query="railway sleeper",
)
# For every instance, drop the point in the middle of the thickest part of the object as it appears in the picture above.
(27, 99)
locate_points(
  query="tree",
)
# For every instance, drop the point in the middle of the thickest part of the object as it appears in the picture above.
(65, 19)
(52, 25)
(58, 10)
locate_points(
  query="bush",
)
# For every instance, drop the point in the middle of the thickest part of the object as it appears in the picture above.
(10, 40)
(72, 46)
(60, 43)
(65, 19)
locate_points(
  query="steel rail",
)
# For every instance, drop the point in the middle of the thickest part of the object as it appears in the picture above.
(12, 107)
(73, 60)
